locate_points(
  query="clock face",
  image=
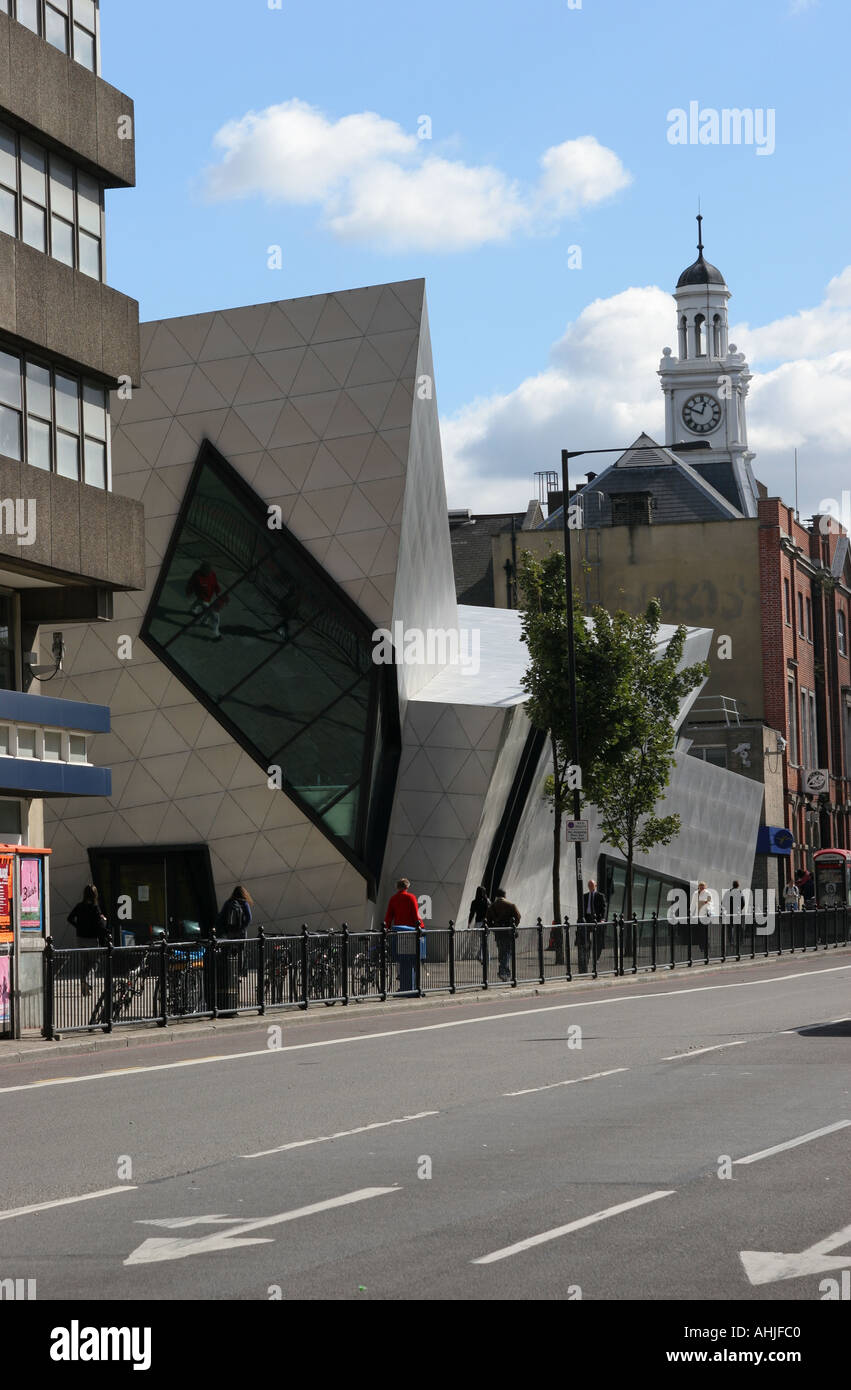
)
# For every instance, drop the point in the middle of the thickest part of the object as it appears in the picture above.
(702, 413)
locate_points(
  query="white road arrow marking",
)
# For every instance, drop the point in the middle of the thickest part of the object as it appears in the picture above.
(175, 1248)
(766, 1266)
(176, 1223)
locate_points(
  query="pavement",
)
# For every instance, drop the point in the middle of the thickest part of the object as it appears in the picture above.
(676, 1136)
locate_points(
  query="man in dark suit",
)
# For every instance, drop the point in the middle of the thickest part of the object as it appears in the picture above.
(594, 909)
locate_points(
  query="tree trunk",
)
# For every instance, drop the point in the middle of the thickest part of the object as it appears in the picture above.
(557, 813)
(627, 912)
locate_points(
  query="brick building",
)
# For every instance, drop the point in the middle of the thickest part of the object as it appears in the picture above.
(805, 583)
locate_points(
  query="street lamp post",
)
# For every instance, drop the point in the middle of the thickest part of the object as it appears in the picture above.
(687, 446)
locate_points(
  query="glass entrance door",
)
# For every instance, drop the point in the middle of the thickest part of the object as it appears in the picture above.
(147, 891)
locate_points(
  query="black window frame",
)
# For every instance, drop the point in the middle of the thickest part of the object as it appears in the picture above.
(72, 22)
(35, 359)
(78, 231)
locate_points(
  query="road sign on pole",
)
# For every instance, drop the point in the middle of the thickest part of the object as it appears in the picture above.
(576, 832)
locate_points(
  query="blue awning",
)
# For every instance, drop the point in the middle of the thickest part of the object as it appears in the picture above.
(32, 777)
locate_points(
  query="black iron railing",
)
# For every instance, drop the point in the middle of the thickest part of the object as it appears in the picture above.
(115, 986)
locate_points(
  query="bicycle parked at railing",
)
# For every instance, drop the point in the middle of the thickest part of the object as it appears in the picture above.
(126, 987)
(324, 969)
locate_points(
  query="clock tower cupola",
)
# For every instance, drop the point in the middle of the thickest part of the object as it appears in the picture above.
(706, 384)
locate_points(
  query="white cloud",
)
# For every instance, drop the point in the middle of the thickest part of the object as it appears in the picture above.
(600, 388)
(376, 184)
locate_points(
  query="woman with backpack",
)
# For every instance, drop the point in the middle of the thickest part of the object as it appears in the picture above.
(234, 919)
(92, 930)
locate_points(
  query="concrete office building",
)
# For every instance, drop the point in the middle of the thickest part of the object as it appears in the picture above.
(67, 541)
(288, 459)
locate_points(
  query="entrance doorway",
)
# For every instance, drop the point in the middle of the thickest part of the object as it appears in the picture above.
(148, 891)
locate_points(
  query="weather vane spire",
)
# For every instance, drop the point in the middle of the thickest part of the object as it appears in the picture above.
(699, 232)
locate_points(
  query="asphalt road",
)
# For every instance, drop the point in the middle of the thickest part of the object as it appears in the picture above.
(473, 1150)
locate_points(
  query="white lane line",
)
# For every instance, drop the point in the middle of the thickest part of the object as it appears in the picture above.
(574, 1081)
(66, 1201)
(793, 1143)
(573, 1226)
(341, 1134)
(420, 1028)
(698, 1051)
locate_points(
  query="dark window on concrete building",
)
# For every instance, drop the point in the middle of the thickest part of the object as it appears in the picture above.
(245, 617)
(630, 508)
(714, 753)
(788, 599)
(52, 420)
(800, 615)
(51, 19)
(49, 204)
(841, 633)
(793, 722)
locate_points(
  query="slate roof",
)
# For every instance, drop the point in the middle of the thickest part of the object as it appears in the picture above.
(679, 491)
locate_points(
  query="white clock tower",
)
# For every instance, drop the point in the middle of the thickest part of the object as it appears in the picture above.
(706, 384)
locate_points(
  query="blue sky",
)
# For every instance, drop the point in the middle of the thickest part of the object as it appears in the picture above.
(521, 340)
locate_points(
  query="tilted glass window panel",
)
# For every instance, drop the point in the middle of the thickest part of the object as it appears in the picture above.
(10, 433)
(95, 471)
(10, 379)
(84, 13)
(38, 443)
(34, 173)
(61, 188)
(39, 394)
(272, 647)
(8, 212)
(62, 240)
(89, 203)
(67, 455)
(94, 411)
(34, 226)
(28, 14)
(91, 262)
(8, 157)
(56, 29)
(68, 403)
(84, 48)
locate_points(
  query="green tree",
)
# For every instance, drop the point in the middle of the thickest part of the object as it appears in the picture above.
(631, 695)
(546, 682)
(628, 698)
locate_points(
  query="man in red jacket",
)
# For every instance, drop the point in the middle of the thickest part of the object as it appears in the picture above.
(204, 588)
(403, 914)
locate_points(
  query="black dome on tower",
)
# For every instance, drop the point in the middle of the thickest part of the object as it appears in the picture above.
(701, 272)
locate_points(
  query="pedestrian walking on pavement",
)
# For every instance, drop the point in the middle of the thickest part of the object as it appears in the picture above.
(233, 922)
(594, 911)
(403, 916)
(738, 908)
(503, 918)
(92, 930)
(476, 923)
(792, 897)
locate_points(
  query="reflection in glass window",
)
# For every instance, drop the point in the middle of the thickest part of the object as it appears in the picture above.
(272, 647)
